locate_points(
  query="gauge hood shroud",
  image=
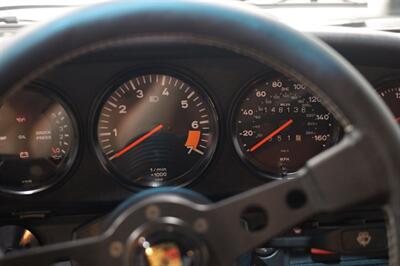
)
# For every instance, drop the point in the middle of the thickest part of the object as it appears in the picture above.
(231, 26)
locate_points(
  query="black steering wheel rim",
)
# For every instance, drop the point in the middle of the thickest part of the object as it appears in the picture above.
(235, 27)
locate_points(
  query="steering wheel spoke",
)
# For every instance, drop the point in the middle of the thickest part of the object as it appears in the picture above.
(350, 168)
(270, 204)
(315, 189)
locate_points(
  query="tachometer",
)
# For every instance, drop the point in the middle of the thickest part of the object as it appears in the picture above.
(38, 140)
(155, 130)
(278, 125)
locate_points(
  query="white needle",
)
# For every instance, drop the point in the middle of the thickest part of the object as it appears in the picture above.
(196, 150)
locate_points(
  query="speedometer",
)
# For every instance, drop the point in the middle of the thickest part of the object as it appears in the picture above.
(278, 125)
(155, 130)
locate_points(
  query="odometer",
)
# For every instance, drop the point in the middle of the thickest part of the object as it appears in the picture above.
(155, 130)
(278, 125)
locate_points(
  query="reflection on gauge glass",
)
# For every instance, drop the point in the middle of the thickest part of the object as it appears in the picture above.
(37, 141)
(278, 125)
(155, 130)
(391, 96)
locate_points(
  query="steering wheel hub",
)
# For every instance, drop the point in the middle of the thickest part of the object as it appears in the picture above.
(171, 246)
(158, 229)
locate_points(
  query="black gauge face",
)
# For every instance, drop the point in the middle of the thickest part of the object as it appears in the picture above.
(391, 96)
(156, 130)
(278, 125)
(37, 141)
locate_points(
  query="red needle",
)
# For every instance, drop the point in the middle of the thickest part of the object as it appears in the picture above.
(271, 135)
(398, 119)
(137, 142)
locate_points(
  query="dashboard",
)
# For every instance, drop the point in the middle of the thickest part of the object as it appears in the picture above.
(89, 133)
(167, 123)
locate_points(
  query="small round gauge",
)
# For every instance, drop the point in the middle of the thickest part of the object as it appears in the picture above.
(391, 95)
(155, 130)
(278, 125)
(38, 140)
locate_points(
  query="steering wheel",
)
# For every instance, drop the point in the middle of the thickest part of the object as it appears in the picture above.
(362, 166)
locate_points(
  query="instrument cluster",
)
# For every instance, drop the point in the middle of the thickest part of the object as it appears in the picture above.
(160, 127)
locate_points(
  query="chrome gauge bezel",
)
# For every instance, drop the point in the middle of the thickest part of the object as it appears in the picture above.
(190, 78)
(54, 93)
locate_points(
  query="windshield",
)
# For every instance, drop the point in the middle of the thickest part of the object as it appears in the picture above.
(299, 13)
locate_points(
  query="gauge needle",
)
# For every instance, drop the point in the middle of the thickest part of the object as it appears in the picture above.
(137, 142)
(271, 135)
(398, 119)
(196, 150)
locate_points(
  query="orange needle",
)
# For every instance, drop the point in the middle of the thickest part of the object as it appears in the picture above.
(271, 135)
(137, 142)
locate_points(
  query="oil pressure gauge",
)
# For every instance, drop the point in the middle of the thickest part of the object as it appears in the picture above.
(155, 130)
(38, 140)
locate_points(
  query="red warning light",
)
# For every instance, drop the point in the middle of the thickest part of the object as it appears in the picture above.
(20, 119)
(24, 155)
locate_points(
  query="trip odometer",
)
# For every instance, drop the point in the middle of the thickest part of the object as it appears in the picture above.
(278, 125)
(155, 130)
